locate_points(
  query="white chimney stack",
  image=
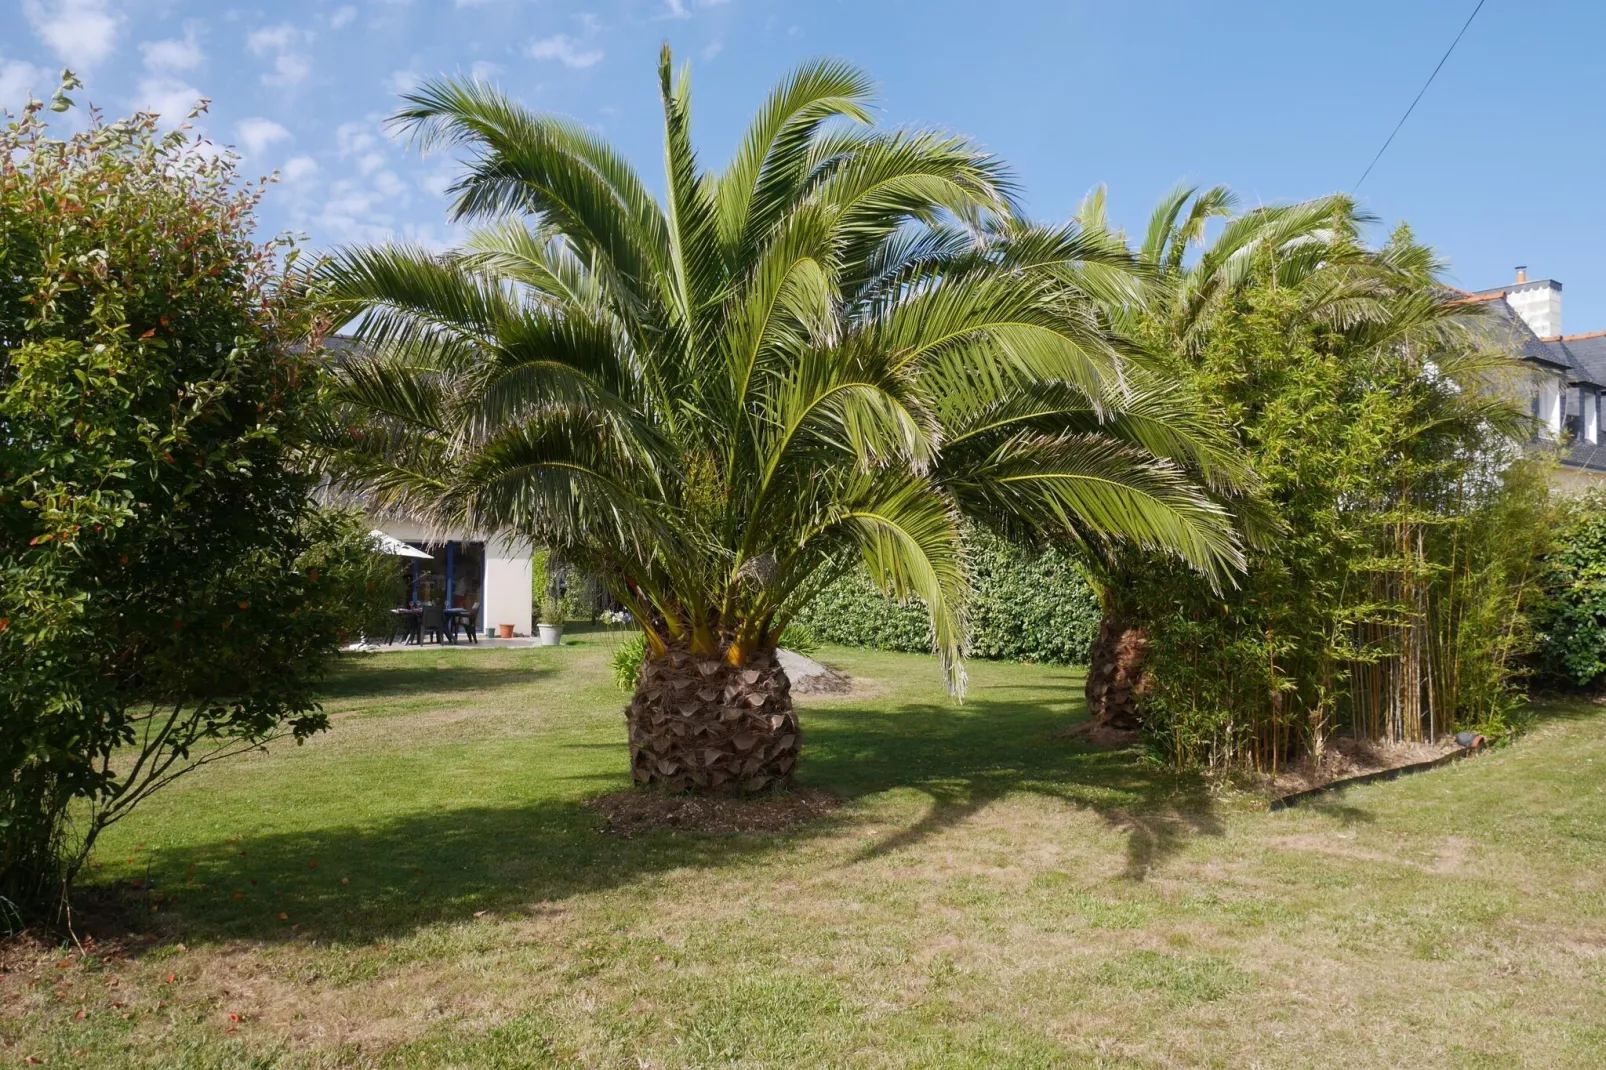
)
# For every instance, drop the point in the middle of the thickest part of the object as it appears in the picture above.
(1537, 302)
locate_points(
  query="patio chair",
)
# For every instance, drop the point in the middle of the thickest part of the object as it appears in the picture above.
(467, 619)
(434, 623)
(406, 626)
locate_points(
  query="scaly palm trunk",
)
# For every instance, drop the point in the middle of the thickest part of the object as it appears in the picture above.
(1114, 673)
(701, 724)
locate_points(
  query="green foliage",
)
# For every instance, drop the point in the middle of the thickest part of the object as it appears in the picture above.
(800, 638)
(1388, 590)
(1023, 606)
(1572, 618)
(628, 656)
(627, 659)
(538, 583)
(356, 581)
(155, 600)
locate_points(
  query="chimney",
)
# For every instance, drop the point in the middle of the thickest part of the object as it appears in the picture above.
(1538, 302)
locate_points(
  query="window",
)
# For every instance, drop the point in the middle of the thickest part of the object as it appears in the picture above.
(1589, 409)
(1548, 408)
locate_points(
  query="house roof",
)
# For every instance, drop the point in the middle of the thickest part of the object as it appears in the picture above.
(1580, 357)
(1585, 352)
(1511, 330)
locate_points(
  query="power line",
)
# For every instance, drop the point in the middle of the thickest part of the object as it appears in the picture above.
(1424, 89)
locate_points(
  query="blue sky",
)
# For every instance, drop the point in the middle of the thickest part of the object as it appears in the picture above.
(1503, 162)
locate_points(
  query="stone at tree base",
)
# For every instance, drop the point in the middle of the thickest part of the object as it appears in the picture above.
(809, 677)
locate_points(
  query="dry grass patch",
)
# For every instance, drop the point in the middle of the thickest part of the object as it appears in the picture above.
(630, 813)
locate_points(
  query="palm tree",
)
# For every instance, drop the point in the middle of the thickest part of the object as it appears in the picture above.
(824, 355)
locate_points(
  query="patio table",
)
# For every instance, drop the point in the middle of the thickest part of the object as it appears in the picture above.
(460, 616)
(410, 623)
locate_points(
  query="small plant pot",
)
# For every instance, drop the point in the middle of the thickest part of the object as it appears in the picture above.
(490, 633)
(551, 634)
(504, 631)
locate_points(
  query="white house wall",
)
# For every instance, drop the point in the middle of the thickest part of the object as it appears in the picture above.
(507, 585)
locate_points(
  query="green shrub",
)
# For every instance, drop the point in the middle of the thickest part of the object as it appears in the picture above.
(627, 659)
(1571, 622)
(361, 585)
(538, 584)
(156, 598)
(1024, 606)
(800, 638)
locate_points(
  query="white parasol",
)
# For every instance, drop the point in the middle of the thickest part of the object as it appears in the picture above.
(389, 544)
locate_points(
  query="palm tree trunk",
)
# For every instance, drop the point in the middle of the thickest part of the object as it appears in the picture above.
(700, 724)
(1114, 673)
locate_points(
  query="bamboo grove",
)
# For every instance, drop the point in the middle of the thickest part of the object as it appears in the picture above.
(1397, 527)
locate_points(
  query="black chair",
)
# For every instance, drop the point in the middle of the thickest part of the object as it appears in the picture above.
(433, 623)
(405, 623)
(467, 617)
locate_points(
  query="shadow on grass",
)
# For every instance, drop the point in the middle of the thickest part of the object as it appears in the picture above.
(428, 672)
(1564, 707)
(392, 877)
(967, 757)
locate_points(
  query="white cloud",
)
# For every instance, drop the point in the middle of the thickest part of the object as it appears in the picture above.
(484, 70)
(471, 3)
(81, 32)
(713, 48)
(298, 169)
(173, 55)
(359, 212)
(677, 9)
(171, 98)
(354, 137)
(272, 38)
(257, 134)
(564, 49)
(19, 79)
(437, 182)
(342, 17)
(289, 68)
(390, 187)
(399, 82)
(352, 214)
(370, 162)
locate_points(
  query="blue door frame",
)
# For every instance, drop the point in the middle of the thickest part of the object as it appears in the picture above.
(451, 573)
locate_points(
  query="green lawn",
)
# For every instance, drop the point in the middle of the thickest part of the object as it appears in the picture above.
(422, 887)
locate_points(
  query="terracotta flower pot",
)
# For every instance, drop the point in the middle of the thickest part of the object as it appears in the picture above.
(504, 631)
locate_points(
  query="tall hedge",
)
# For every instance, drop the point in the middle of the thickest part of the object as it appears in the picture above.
(1571, 619)
(1025, 606)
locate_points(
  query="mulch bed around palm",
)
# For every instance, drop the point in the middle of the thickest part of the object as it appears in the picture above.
(630, 813)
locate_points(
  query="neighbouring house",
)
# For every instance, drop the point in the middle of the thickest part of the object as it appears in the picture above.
(1570, 373)
(466, 570)
(490, 570)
